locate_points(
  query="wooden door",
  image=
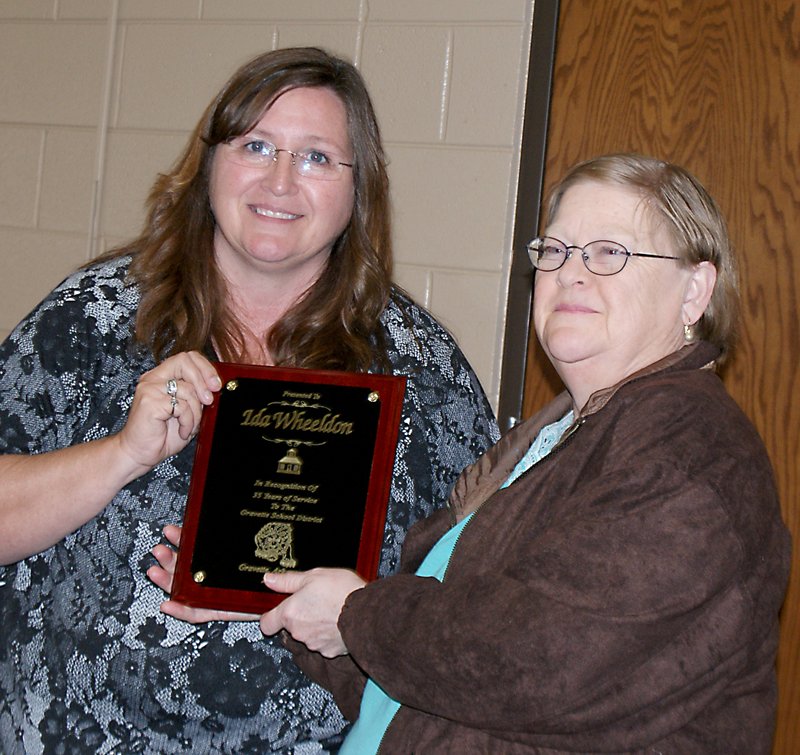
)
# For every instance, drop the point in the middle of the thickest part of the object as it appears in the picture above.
(714, 87)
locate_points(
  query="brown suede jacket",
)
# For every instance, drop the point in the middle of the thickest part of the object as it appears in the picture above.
(621, 596)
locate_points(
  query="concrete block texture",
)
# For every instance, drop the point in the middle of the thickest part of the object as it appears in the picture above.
(52, 73)
(67, 179)
(34, 262)
(20, 168)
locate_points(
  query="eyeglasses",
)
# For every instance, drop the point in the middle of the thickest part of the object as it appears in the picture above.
(600, 257)
(256, 153)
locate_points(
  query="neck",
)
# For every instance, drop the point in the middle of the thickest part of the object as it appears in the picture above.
(581, 391)
(261, 293)
(257, 303)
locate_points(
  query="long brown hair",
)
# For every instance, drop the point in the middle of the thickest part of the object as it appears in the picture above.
(183, 296)
(691, 217)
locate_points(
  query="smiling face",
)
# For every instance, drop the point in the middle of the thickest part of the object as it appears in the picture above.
(598, 330)
(270, 220)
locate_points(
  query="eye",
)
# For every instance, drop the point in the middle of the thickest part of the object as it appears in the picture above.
(316, 158)
(550, 250)
(257, 147)
(608, 248)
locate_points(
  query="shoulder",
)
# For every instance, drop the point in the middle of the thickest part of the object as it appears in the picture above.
(684, 427)
(410, 326)
(693, 402)
(89, 311)
(105, 280)
(100, 282)
(421, 348)
(417, 343)
(444, 396)
(101, 295)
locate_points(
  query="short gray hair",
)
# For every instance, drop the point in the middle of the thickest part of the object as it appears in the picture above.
(691, 218)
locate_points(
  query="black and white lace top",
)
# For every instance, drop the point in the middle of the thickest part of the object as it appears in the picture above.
(87, 661)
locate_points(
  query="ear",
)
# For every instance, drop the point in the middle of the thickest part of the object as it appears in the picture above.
(698, 291)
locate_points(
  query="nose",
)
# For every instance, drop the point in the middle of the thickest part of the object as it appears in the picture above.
(574, 269)
(280, 176)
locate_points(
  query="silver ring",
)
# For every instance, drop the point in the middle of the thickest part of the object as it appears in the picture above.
(173, 404)
(172, 388)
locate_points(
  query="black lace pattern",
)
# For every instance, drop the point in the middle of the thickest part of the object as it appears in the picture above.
(87, 661)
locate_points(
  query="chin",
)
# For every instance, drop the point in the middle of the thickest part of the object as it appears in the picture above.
(569, 348)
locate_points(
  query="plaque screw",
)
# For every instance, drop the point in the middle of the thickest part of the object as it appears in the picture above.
(232, 385)
(199, 576)
(373, 397)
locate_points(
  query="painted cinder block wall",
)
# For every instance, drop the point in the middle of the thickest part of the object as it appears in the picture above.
(98, 96)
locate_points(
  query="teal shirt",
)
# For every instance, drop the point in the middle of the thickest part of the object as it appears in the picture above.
(377, 708)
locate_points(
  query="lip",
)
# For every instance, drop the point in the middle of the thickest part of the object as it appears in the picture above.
(272, 213)
(576, 309)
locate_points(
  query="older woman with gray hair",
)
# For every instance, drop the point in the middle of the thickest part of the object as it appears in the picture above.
(608, 577)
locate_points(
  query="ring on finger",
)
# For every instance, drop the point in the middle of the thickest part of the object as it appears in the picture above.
(172, 388)
(173, 403)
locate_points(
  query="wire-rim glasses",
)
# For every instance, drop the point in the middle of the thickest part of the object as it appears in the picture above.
(601, 257)
(309, 163)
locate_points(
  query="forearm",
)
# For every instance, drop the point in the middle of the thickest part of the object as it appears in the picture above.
(44, 497)
(513, 633)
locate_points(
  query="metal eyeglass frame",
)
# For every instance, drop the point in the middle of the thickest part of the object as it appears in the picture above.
(239, 157)
(621, 248)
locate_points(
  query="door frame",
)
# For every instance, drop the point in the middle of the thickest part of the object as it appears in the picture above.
(528, 202)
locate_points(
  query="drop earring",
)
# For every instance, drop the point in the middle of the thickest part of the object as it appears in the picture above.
(688, 333)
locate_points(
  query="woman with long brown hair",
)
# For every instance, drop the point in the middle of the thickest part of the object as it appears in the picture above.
(268, 243)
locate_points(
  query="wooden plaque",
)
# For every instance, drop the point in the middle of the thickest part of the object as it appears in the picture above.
(292, 471)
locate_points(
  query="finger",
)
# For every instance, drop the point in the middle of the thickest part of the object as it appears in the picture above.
(207, 372)
(172, 392)
(173, 533)
(165, 556)
(160, 577)
(272, 622)
(180, 402)
(202, 615)
(195, 375)
(286, 582)
(188, 418)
